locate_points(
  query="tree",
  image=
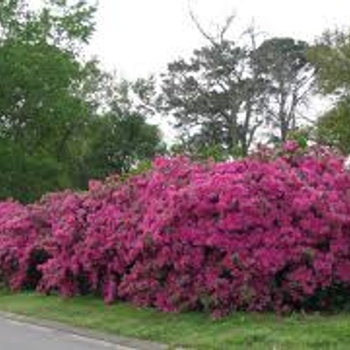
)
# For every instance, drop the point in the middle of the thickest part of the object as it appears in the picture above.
(42, 106)
(62, 117)
(331, 58)
(41, 97)
(283, 63)
(333, 128)
(26, 177)
(39, 111)
(60, 23)
(119, 138)
(117, 144)
(216, 96)
(230, 91)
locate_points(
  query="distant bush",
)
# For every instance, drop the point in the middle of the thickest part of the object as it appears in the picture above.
(269, 232)
(27, 177)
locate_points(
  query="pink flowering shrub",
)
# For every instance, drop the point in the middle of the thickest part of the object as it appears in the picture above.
(270, 232)
(23, 231)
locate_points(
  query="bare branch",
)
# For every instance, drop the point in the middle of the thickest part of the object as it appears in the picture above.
(199, 26)
(222, 31)
(226, 26)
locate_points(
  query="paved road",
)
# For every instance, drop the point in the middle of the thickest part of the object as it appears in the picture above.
(16, 335)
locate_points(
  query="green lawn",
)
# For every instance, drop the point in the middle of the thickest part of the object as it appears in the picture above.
(192, 330)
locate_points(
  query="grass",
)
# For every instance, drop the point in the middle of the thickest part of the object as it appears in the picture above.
(191, 330)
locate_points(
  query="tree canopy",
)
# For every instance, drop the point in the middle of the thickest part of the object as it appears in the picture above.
(228, 92)
(58, 120)
(64, 120)
(331, 57)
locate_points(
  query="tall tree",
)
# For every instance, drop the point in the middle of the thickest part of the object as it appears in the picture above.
(333, 128)
(116, 144)
(41, 93)
(331, 58)
(120, 137)
(283, 63)
(66, 24)
(38, 107)
(25, 176)
(216, 96)
(63, 118)
(229, 91)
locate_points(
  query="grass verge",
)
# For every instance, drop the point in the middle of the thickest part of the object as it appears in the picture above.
(191, 330)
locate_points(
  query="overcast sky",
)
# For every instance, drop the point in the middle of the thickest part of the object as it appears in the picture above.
(138, 37)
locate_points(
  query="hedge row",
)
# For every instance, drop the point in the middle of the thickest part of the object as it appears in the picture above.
(269, 232)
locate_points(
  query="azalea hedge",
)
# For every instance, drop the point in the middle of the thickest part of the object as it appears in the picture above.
(269, 232)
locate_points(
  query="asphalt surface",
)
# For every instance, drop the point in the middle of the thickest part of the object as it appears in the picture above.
(15, 335)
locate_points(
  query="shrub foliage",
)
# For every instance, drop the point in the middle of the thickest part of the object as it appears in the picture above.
(269, 232)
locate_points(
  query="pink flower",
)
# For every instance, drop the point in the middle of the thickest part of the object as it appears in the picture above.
(94, 185)
(290, 146)
(265, 233)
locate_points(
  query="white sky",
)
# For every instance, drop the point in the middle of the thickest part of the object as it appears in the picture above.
(136, 38)
(139, 37)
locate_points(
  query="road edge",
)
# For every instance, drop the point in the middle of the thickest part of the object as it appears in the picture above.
(137, 344)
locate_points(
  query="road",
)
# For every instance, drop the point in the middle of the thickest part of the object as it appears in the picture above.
(16, 335)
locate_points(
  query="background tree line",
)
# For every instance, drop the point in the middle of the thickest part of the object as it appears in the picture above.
(233, 94)
(63, 120)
